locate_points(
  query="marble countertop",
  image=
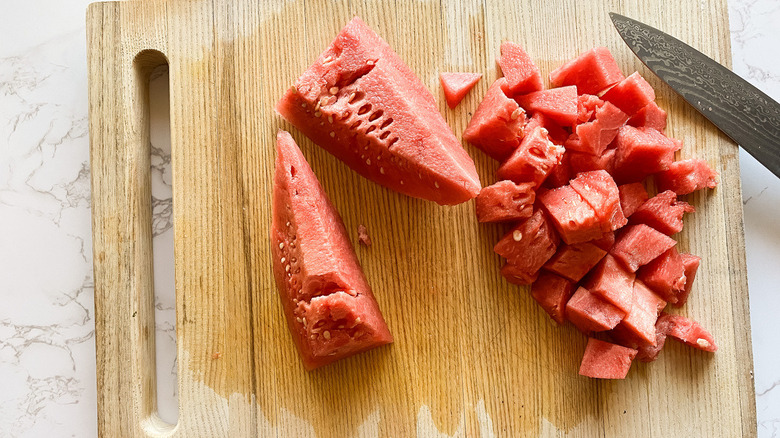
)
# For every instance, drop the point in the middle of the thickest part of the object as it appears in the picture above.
(47, 348)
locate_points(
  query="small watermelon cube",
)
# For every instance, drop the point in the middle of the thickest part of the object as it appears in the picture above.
(585, 162)
(522, 75)
(586, 107)
(631, 94)
(691, 263)
(517, 274)
(599, 190)
(592, 72)
(665, 275)
(533, 160)
(640, 244)
(611, 281)
(497, 125)
(603, 360)
(688, 331)
(552, 292)
(590, 313)
(687, 176)
(650, 116)
(663, 212)
(641, 152)
(505, 201)
(640, 321)
(605, 242)
(527, 247)
(575, 220)
(574, 261)
(560, 104)
(632, 196)
(456, 85)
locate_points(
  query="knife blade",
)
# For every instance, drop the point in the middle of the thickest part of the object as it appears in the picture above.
(743, 112)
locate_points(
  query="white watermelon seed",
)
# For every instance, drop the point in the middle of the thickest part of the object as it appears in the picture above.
(368, 162)
(287, 268)
(330, 119)
(299, 319)
(332, 134)
(516, 114)
(703, 343)
(334, 90)
(517, 235)
(326, 334)
(382, 170)
(317, 114)
(281, 245)
(436, 184)
(284, 259)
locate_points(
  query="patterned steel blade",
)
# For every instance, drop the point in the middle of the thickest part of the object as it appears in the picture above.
(740, 110)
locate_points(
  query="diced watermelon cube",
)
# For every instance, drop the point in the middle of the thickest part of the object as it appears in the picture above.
(640, 321)
(651, 116)
(592, 72)
(533, 160)
(586, 107)
(605, 242)
(574, 219)
(560, 174)
(497, 125)
(456, 85)
(686, 176)
(596, 135)
(610, 117)
(665, 275)
(599, 190)
(560, 104)
(585, 162)
(632, 196)
(522, 75)
(589, 313)
(663, 212)
(688, 331)
(527, 247)
(555, 132)
(691, 263)
(631, 94)
(641, 152)
(574, 261)
(613, 282)
(552, 293)
(505, 201)
(639, 244)
(517, 274)
(603, 360)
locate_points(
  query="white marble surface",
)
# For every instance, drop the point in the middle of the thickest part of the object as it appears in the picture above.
(47, 363)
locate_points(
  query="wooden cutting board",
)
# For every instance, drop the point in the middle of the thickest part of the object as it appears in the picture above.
(473, 355)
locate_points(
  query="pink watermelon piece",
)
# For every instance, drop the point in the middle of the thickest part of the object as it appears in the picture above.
(632, 196)
(641, 152)
(330, 309)
(603, 360)
(559, 104)
(614, 283)
(665, 275)
(552, 292)
(533, 160)
(361, 103)
(640, 244)
(605, 242)
(585, 162)
(497, 125)
(505, 201)
(456, 85)
(590, 313)
(640, 320)
(687, 331)
(527, 247)
(599, 190)
(592, 72)
(687, 176)
(575, 220)
(574, 261)
(631, 94)
(522, 75)
(663, 212)
(650, 116)
(596, 135)
(586, 107)
(691, 263)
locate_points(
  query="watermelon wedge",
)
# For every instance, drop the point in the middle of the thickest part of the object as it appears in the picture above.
(687, 176)
(457, 85)
(522, 75)
(330, 309)
(497, 125)
(361, 103)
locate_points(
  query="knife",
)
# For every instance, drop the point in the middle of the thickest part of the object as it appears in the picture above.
(743, 112)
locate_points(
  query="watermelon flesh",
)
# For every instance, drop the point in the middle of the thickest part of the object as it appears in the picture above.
(614, 283)
(631, 94)
(505, 201)
(457, 85)
(590, 313)
(522, 75)
(640, 320)
(574, 261)
(586, 162)
(641, 152)
(687, 176)
(639, 244)
(665, 275)
(560, 174)
(552, 292)
(592, 72)
(687, 331)
(663, 212)
(533, 160)
(599, 190)
(559, 104)
(691, 263)
(586, 107)
(497, 125)
(555, 132)
(527, 247)
(632, 196)
(575, 219)
(361, 103)
(605, 242)
(596, 135)
(330, 308)
(650, 116)
(603, 360)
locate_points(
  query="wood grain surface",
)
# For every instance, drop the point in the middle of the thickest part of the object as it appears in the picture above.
(474, 355)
